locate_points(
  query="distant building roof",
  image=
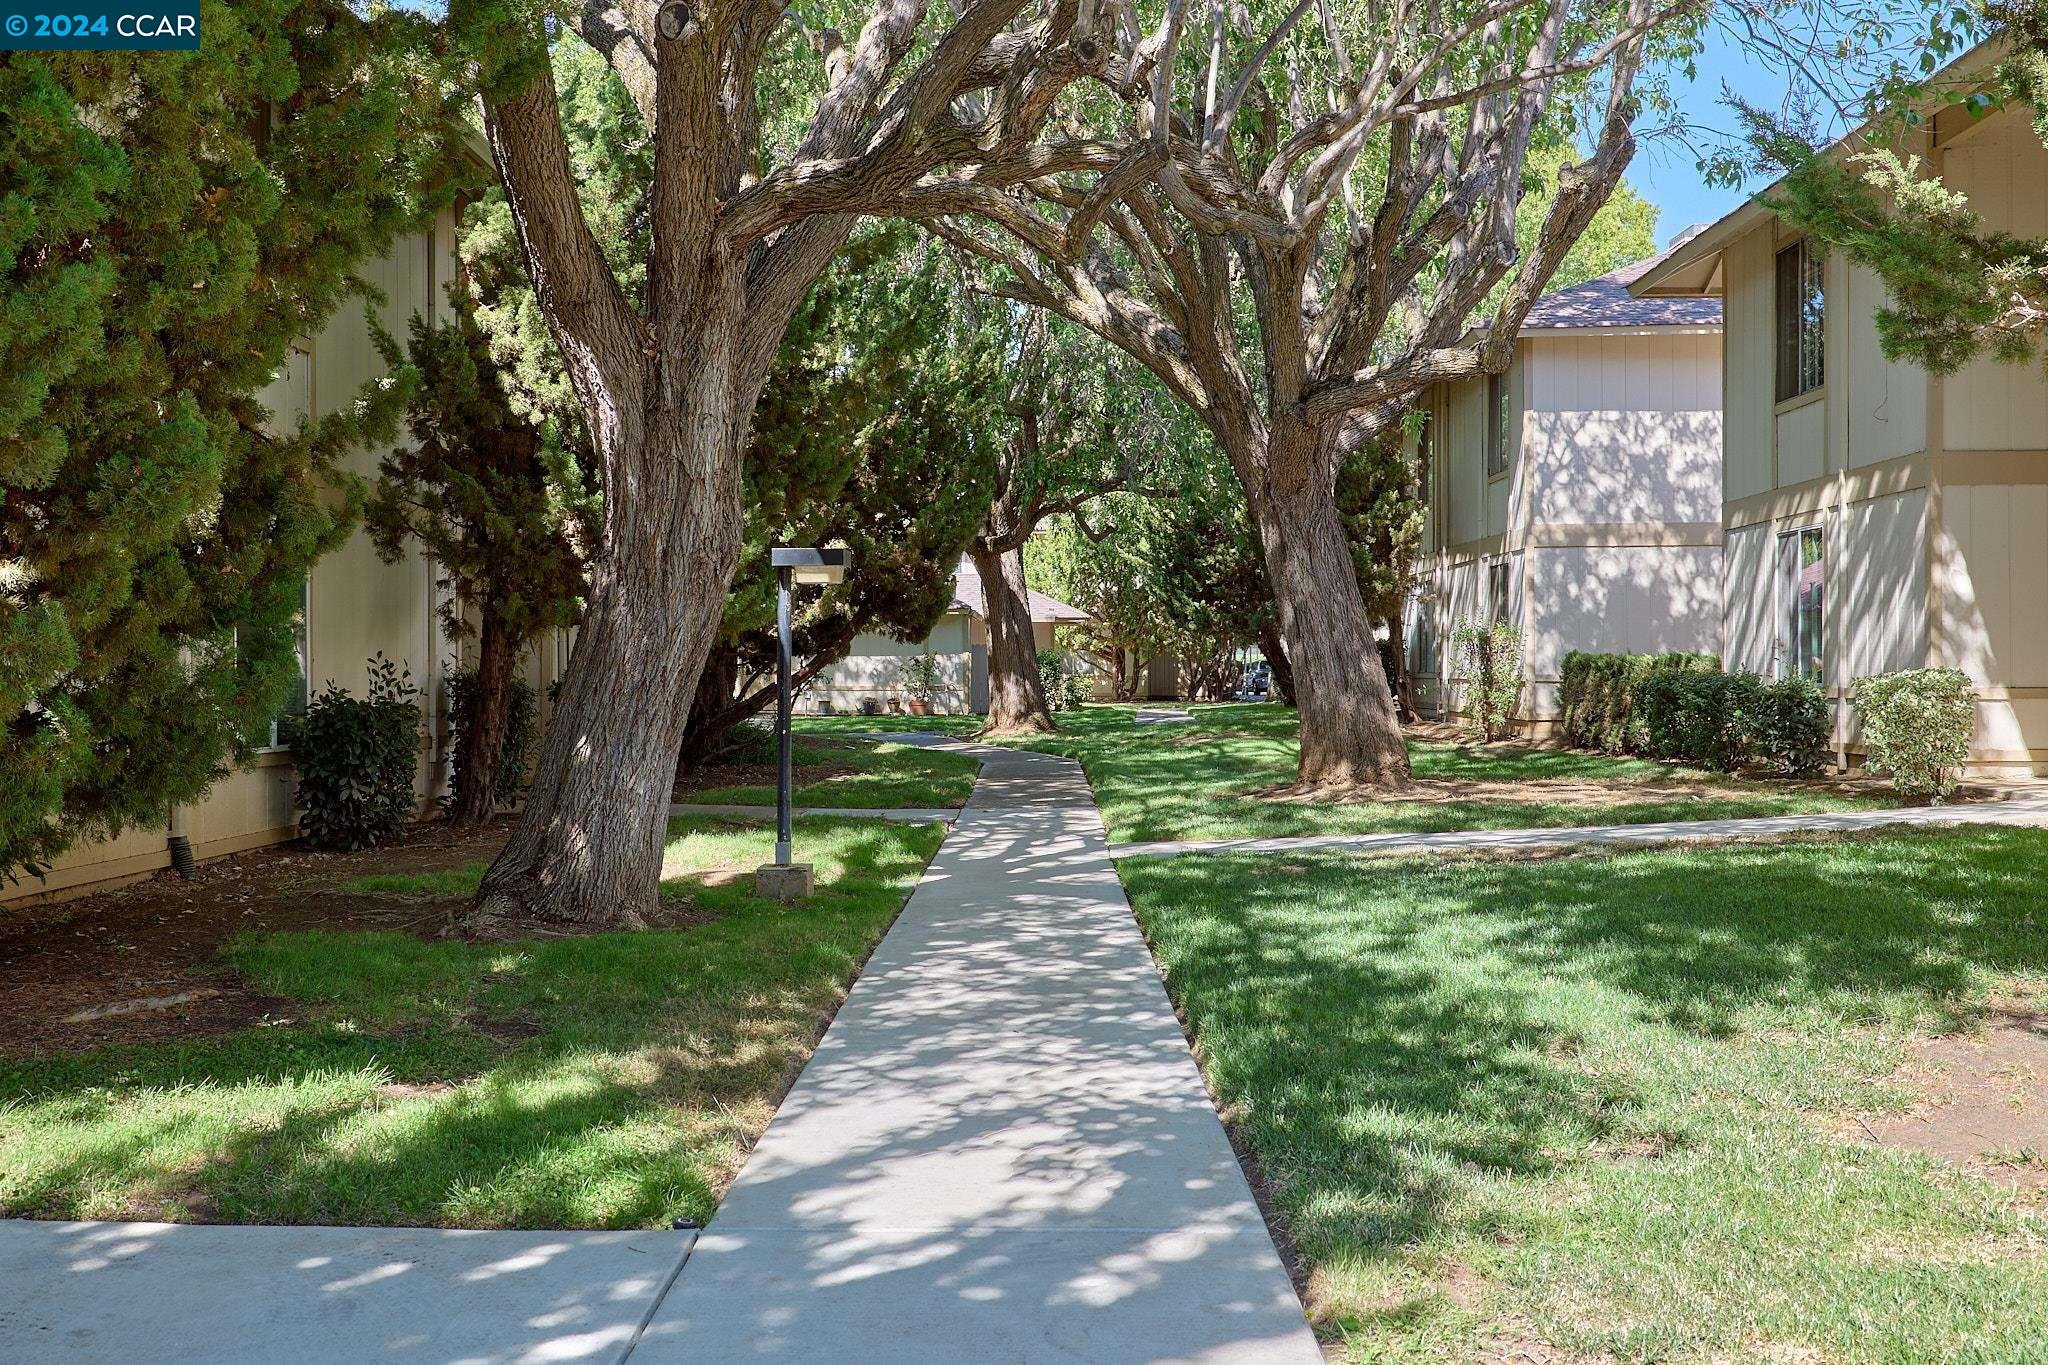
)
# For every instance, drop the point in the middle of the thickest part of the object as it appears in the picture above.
(1606, 302)
(967, 597)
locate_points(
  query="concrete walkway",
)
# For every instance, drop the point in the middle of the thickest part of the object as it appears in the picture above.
(1002, 1150)
(73, 1292)
(2032, 811)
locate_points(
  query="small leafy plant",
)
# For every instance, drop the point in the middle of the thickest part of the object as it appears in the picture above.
(922, 677)
(1917, 726)
(1790, 728)
(1697, 717)
(1490, 657)
(358, 758)
(1064, 689)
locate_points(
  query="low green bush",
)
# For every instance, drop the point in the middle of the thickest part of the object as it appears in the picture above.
(1916, 725)
(1598, 696)
(1065, 690)
(357, 759)
(1697, 717)
(1490, 660)
(1791, 731)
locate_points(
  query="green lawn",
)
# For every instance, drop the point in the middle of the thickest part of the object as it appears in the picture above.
(1198, 780)
(957, 726)
(614, 1080)
(1591, 1104)
(883, 775)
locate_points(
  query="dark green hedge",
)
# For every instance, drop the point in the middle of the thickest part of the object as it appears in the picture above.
(1681, 707)
(1598, 696)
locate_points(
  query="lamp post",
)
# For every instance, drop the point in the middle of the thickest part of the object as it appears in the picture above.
(783, 879)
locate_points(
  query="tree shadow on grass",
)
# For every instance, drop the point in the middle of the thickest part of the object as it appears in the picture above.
(601, 1081)
(1393, 1037)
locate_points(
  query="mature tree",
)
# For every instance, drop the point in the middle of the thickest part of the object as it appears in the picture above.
(761, 159)
(884, 395)
(497, 506)
(1955, 290)
(1178, 576)
(1076, 424)
(172, 223)
(1300, 241)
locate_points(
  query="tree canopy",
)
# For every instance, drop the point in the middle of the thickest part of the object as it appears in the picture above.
(173, 223)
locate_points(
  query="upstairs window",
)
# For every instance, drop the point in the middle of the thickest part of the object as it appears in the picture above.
(1498, 424)
(1802, 304)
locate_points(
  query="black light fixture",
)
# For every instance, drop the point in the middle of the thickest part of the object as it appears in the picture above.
(784, 879)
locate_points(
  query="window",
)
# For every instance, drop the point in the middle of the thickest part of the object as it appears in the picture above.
(1499, 422)
(1497, 591)
(302, 650)
(1803, 558)
(1802, 304)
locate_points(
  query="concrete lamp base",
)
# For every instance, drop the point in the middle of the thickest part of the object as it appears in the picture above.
(785, 882)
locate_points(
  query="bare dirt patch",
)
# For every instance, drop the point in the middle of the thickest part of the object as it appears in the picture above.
(1981, 1100)
(159, 938)
(712, 775)
(141, 963)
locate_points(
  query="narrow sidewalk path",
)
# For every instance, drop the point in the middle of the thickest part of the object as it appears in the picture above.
(72, 1293)
(2029, 811)
(1002, 1149)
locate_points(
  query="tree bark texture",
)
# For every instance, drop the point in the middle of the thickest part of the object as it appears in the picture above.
(483, 727)
(1350, 735)
(1016, 698)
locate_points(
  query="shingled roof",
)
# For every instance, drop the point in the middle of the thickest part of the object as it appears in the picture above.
(1606, 302)
(967, 597)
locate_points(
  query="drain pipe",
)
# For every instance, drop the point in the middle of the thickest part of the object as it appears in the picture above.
(179, 846)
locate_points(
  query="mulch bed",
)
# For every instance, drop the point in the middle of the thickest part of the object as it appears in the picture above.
(143, 958)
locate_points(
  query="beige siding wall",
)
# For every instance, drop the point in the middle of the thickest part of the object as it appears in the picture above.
(1933, 493)
(1747, 460)
(358, 604)
(1991, 609)
(2001, 166)
(1609, 516)
(873, 670)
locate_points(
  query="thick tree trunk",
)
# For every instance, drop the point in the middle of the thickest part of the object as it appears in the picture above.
(587, 850)
(708, 723)
(1276, 660)
(483, 728)
(1016, 700)
(1350, 736)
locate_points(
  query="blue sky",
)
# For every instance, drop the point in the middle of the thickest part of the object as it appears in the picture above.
(1664, 171)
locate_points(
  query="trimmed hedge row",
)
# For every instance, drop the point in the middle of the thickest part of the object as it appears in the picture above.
(1598, 696)
(1681, 707)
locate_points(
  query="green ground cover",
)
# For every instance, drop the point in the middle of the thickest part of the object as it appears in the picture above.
(877, 775)
(957, 726)
(1203, 780)
(613, 1080)
(1603, 1106)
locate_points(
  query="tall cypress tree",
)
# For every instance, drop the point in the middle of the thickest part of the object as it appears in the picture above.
(499, 507)
(169, 224)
